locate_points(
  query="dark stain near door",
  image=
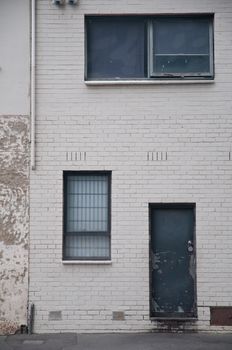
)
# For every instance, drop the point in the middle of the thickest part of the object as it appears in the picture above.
(172, 261)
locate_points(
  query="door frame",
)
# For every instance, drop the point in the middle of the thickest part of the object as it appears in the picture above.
(172, 205)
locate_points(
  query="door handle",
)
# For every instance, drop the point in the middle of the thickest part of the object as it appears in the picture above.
(190, 246)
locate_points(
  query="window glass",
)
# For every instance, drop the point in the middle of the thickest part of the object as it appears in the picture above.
(181, 36)
(181, 64)
(181, 45)
(116, 47)
(87, 246)
(87, 203)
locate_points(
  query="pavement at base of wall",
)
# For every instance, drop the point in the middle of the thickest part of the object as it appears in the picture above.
(119, 341)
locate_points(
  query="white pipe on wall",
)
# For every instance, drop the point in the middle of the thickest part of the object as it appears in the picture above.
(33, 149)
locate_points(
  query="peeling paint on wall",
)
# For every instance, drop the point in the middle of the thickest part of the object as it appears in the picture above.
(14, 221)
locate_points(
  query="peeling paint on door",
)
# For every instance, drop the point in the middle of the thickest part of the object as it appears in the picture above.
(172, 261)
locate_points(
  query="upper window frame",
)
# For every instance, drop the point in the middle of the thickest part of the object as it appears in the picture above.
(151, 74)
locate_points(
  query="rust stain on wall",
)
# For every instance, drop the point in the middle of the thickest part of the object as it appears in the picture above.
(14, 221)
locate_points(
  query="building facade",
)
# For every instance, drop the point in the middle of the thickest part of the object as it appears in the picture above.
(130, 193)
(133, 131)
(14, 157)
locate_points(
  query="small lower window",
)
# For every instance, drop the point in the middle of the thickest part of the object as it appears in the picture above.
(86, 216)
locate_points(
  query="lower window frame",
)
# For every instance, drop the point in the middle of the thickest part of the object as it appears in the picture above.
(67, 173)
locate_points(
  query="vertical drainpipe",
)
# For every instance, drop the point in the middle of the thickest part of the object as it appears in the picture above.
(33, 84)
(30, 307)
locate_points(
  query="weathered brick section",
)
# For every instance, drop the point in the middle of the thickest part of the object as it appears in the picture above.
(117, 126)
(14, 221)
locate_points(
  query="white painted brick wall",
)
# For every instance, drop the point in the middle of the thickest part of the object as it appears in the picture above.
(116, 126)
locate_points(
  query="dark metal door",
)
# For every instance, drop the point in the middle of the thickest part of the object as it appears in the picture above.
(172, 261)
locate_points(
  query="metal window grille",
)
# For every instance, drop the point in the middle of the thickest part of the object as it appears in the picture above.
(86, 215)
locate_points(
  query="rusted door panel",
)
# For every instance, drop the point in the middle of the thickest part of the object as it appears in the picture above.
(221, 316)
(172, 261)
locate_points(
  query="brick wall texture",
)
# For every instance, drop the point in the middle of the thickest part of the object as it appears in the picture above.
(119, 127)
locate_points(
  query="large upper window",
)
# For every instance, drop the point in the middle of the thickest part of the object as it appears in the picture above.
(138, 47)
(86, 215)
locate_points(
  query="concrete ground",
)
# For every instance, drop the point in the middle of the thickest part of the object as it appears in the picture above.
(148, 341)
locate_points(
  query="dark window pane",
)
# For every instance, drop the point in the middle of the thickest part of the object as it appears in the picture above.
(181, 64)
(87, 246)
(115, 47)
(181, 36)
(181, 45)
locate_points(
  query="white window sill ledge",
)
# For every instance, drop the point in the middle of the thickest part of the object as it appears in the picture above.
(146, 82)
(87, 262)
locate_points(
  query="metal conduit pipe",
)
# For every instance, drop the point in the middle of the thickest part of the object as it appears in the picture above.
(33, 23)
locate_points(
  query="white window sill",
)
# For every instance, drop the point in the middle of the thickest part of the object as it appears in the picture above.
(147, 82)
(87, 262)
